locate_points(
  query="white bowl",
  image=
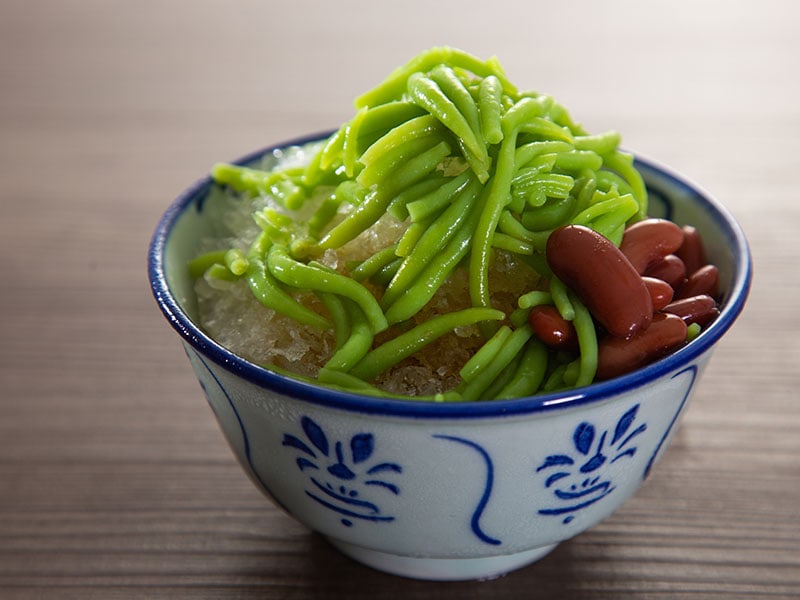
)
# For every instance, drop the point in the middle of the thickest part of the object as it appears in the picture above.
(457, 490)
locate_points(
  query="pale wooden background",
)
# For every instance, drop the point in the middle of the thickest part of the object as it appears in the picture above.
(114, 479)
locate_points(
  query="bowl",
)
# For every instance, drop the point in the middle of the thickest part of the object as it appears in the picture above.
(448, 491)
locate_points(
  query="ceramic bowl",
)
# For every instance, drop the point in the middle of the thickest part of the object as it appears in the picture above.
(448, 491)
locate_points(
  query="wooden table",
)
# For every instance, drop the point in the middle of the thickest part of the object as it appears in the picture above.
(115, 481)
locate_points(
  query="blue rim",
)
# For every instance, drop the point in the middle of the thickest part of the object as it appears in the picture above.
(300, 390)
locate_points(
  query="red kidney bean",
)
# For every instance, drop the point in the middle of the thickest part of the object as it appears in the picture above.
(602, 277)
(692, 252)
(647, 242)
(617, 356)
(704, 280)
(670, 269)
(661, 292)
(553, 329)
(700, 309)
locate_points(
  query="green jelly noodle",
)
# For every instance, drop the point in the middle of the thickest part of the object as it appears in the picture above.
(471, 167)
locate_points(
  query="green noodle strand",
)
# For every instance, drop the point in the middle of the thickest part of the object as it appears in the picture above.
(579, 160)
(526, 153)
(434, 274)
(503, 378)
(497, 199)
(508, 243)
(475, 388)
(350, 147)
(419, 192)
(411, 236)
(542, 127)
(327, 210)
(534, 298)
(534, 169)
(394, 86)
(549, 216)
(625, 205)
(201, 264)
(331, 154)
(612, 223)
(561, 298)
(693, 331)
(379, 120)
(432, 240)
(454, 89)
(374, 263)
(425, 92)
(236, 261)
(530, 372)
(587, 342)
(490, 95)
(376, 171)
(390, 353)
(244, 179)
(436, 200)
(299, 275)
(489, 349)
(358, 343)
(555, 380)
(601, 143)
(339, 316)
(422, 126)
(345, 381)
(386, 273)
(622, 163)
(375, 204)
(269, 292)
(509, 225)
(220, 273)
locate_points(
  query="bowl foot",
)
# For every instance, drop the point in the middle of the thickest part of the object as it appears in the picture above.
(441, 569)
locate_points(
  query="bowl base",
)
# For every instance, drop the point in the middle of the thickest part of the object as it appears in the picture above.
(441, 569)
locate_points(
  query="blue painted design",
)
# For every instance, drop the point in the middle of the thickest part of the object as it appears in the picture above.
(487, 489)
(552, 461)
(371, 515)
(692, 370)
(583, 436)
(201, 196)
(555, 477)
(315, 435)
(389, 486)
(245, 438)
(624, 424)
(296, 443)
(384, 467)
(304, 463)
(579, 481)
(361, 446)
(340, 478)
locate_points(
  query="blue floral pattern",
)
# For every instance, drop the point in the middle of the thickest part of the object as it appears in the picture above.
(580, 478)
(341, 478)
(477, 513)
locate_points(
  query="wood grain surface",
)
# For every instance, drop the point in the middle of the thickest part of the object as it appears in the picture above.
(115, 481)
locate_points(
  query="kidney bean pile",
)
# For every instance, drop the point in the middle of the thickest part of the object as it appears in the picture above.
(642, 295)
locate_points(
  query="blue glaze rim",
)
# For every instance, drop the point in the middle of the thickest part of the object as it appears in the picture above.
(307, 392)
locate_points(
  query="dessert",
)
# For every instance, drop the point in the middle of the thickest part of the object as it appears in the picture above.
(456, 240)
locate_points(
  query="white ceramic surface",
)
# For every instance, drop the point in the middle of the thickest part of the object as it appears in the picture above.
(449, 491)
